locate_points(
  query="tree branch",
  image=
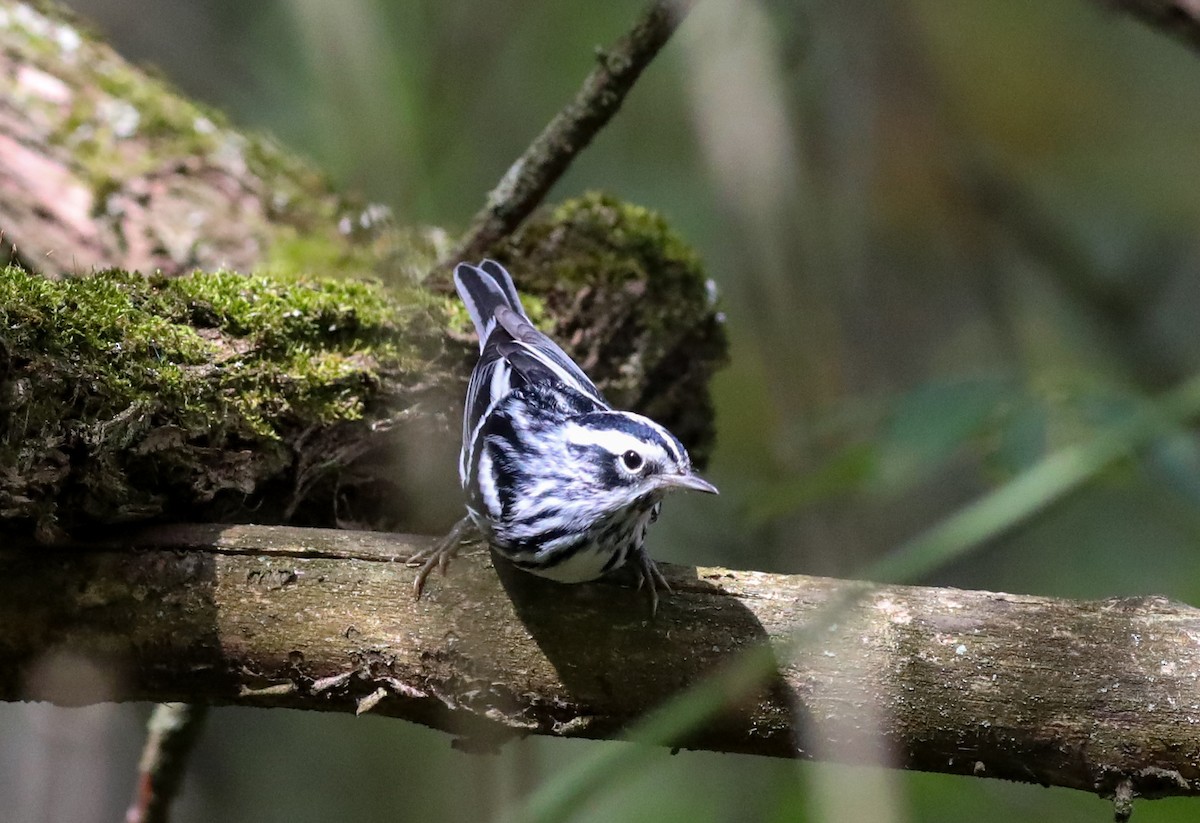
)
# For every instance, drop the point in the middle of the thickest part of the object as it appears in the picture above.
(1178, 18)
(1084, 695)
(603, 91)
(171, 735)
(102, 165)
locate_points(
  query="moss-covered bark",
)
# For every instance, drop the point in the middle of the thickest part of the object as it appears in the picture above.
(317, 400)
(126, 397)
(300, 392)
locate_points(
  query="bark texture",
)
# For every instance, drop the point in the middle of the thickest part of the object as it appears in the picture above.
(102, 165)
(1099, 696)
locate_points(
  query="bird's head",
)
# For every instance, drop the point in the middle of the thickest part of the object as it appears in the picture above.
(630, 457)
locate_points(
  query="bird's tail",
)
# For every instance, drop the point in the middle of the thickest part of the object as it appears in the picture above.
(483, 289)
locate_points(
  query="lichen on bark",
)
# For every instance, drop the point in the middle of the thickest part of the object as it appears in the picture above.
(104, 164)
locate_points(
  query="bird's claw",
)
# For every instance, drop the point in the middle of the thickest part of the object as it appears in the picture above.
(437, 556)
(648, 572)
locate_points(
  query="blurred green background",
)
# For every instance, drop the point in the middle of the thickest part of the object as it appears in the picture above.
(951, 237)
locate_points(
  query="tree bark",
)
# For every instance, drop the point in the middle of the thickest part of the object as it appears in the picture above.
(103, 165)
(1098, 696)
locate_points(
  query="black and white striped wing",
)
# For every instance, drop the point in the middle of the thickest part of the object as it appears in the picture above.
(537, 357)
(513, 353)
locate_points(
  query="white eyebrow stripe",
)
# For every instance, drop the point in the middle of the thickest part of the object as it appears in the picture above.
(612, 441)
(670, 440)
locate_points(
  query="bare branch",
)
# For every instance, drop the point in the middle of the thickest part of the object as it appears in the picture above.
(528, 179)
(1087, 695)
(172, 733)
(1179, 18)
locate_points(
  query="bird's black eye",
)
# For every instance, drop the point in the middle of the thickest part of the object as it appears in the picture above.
(631, 460)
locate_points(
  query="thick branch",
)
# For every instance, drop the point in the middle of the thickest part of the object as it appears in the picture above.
(603, 91)
(102, 165)
(1076, 694)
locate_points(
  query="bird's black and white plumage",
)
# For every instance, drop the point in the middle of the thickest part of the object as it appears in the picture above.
(560, 483)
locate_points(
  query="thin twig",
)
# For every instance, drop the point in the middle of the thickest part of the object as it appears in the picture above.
(528, 179)
(171, 734)
(1179, 18)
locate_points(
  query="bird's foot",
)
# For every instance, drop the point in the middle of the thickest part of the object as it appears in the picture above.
(437, 556)
(650, 578)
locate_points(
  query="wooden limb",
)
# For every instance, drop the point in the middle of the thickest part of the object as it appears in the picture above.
(1097, 696)
(103, 165)
(528, 179)
(171, 735)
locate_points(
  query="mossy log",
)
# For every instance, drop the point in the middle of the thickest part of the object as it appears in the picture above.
(221, 396)
(1097, 696)
(306, 391)
(105, 165)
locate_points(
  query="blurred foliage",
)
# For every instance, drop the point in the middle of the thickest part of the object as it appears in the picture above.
(952, 238)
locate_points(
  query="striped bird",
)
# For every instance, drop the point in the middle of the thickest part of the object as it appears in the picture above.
(557, 481)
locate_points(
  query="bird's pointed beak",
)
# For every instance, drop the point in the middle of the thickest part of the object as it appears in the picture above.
(688, 481)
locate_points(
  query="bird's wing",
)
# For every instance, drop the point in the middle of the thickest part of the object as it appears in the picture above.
(536, 357)
(512, 352)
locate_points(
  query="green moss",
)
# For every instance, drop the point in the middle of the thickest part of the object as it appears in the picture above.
(294, 254)
(98, 372)
(623, 240)
(91, 327)
(603, 244)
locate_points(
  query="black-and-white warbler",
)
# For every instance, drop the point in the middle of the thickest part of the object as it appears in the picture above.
(556, 480)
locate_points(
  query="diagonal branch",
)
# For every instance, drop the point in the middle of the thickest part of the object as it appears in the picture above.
(1098, 696)
(1178, 18)
(603, 91)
